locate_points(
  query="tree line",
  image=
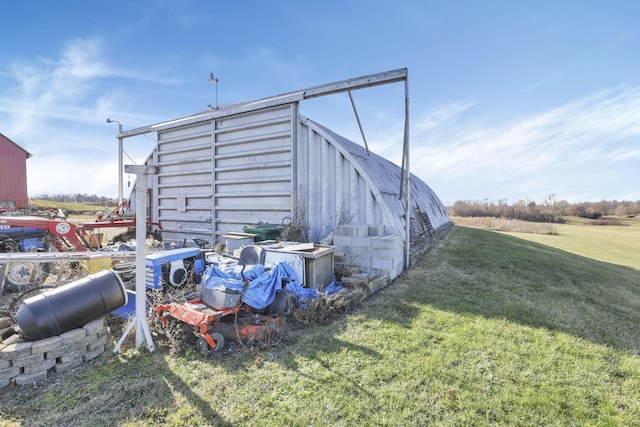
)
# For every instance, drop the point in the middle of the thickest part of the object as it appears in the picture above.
(89, 199)
(550, 210)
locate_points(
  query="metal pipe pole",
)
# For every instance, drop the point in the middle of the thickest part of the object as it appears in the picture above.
(353, 104)
(120, 165)
(407, 210)
(142, 326)
(212, 78)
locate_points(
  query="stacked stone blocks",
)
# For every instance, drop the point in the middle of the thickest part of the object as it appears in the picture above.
(28, 362)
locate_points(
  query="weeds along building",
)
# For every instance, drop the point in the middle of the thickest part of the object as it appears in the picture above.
(263, 162)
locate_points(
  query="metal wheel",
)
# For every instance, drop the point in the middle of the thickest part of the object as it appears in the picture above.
(203, 346)
(21, 275)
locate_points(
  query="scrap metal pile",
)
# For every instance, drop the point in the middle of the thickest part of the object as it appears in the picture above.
(242, 297)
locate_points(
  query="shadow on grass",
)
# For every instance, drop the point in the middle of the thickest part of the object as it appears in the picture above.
(473, 272)
(494, 275)
(112, 390)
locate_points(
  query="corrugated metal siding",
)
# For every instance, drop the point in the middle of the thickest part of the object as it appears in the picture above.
(366, 186)
(13, 174)
(269, 164)
(331, 187)
(231, 171)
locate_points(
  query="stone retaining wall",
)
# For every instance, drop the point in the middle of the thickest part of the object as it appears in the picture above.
(27, 362)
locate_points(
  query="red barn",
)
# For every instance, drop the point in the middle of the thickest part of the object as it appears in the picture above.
(13, 175)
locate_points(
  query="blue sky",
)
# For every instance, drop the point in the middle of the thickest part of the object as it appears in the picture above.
(509, 100)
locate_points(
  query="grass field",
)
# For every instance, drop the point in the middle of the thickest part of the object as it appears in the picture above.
(488, 329)
(67, 207)
(617, 244)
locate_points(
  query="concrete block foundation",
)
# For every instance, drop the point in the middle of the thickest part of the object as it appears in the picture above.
(366, 246)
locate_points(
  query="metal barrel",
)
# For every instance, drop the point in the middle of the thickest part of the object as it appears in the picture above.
(71, 306)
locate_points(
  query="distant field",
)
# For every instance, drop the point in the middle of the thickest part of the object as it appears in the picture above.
(616, 244)
(67, 207)
(501, 224)
(81, 213)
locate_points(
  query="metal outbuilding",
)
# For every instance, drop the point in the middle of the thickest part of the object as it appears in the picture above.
(263, 162)
(13, 175)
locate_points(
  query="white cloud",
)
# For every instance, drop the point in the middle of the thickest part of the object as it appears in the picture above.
(532, 87)
(56, 108)
(67, 88)
(582, 149)
(441, 115)
(50, 81)
(583, 131)
(71, 78)
(626, 154)
(61, 174)
(82, 60)
(534, 154)
(388, 140)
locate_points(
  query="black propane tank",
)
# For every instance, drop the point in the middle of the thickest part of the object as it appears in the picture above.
(71, 306)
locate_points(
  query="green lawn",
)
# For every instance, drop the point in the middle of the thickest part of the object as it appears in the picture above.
(617, 244)
(67, 207)
(489, 329)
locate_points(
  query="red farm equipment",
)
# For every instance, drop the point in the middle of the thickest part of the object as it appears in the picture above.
(222, 313)
(34, 234)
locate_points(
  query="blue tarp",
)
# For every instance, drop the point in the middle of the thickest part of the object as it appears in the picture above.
(263, 284)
